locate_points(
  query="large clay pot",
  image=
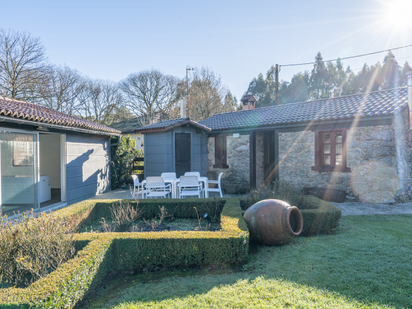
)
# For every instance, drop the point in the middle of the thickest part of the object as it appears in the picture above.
(273, 222)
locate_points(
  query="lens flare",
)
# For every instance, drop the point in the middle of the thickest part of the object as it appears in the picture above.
(397, 14)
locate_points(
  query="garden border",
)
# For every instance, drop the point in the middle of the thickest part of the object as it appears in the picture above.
(107, 252)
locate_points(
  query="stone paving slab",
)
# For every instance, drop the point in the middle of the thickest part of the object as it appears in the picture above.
(348, 208)
(361, 209)
(125, 195)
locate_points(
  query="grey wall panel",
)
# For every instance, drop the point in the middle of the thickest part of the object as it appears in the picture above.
(87, 166)
(155, 146)
(159, 151)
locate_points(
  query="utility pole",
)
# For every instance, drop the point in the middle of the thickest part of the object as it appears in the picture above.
(277, 84)
(188, 68)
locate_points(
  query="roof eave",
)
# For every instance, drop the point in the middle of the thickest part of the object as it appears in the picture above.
(294, 125)
(175, 125)
(55, 126)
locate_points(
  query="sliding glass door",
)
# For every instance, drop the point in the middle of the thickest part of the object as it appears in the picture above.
(18, 170)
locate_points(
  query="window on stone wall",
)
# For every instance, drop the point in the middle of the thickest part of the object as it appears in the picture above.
(220, 152)
(330, 151)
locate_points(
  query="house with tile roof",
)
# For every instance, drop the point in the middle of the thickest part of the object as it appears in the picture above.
(358, 144)
(48, 158)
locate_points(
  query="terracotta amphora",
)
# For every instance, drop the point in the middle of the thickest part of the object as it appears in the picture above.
(273, 222)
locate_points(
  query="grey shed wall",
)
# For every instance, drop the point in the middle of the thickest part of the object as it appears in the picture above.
(159, 151)
(87, 166)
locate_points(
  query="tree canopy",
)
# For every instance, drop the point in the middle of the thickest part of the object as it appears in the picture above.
(329, 79)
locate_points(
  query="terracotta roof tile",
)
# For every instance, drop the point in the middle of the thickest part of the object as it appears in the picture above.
(32, 112)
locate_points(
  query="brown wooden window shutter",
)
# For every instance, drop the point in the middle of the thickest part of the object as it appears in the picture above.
(220, 151)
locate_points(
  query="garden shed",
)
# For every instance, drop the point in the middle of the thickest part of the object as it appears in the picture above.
(177, 145)
(49, 158)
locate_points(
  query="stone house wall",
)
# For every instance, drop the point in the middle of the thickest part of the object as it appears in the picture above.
(371, 154)
(236, 178)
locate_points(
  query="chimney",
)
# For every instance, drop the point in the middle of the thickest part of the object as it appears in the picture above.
(409, 76)
(248, 101)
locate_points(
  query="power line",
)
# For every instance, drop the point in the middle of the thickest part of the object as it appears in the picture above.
(357, 56)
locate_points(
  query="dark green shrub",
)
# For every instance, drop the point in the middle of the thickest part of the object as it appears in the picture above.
(32, 247)
(177, 207)
(277, 190)
(318, 216)
(122, 156)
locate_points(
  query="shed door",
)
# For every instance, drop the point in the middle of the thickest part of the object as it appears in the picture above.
(182, 153)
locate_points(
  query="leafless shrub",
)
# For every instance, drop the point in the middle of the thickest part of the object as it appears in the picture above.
(32, 246)
(154, 224)
(107, 228)
(124, 214)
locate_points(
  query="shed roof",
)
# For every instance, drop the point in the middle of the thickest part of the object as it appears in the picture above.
(170, 124)
(38, 114)
(373, 104)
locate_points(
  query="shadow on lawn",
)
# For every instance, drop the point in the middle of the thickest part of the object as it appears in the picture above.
(367, 259)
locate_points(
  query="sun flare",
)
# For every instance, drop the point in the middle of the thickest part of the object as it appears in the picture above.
(398, 14)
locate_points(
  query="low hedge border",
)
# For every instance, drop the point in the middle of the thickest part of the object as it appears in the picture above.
(178, 208)
(108, 252)
(318, 216)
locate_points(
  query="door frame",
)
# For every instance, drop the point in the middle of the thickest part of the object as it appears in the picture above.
(174, 149)
(36, 174)
(62, 141)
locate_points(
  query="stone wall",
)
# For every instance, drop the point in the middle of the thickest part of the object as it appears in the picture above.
(236, 178)
(371, 155)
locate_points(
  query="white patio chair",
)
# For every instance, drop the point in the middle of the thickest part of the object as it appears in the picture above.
(168, 175)
(189, 186)
(193, 174)
(138, 188)
(156, 187)
(218, 183)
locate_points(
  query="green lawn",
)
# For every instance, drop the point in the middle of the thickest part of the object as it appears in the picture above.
(365, 263)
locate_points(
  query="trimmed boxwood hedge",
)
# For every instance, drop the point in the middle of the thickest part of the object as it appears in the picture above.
(179, 208)
(106, 252)
(318, 216)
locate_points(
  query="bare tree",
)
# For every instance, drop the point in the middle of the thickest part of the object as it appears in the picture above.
(207, 95)
(62, 90)
(23, 65)
(151, 91)
(98, 99)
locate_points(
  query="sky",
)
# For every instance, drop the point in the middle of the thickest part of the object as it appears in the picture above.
(236, 39)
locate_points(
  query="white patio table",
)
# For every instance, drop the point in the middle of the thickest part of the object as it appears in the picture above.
(205, 181)
(172, 181)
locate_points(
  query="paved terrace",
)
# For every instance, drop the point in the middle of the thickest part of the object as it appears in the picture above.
(348, 208)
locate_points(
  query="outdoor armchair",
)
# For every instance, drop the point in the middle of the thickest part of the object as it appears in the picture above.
(138, 188)
(218, 183)
(156, 187)
(190, 186)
